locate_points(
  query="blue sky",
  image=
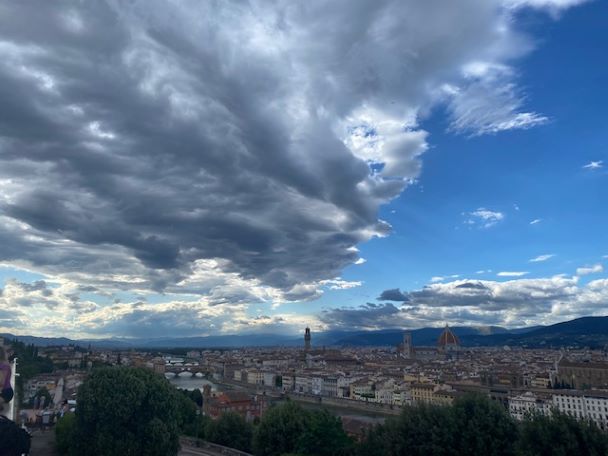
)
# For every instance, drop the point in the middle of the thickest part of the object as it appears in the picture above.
(262, 168)
(527, 175)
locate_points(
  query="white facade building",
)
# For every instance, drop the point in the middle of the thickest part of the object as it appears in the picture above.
(528, 404)
(591, 405)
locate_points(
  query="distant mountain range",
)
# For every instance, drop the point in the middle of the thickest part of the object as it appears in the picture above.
(587, 331)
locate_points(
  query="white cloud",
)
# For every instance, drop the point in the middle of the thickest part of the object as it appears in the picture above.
(512, 303)
(340, 284)
(436, 279)
(512, 273)
(156, 174)
(484, 218)
(536, 221)
(594, 165)
(361, 261)
(550, 4)
(541, 258)
(586, 270)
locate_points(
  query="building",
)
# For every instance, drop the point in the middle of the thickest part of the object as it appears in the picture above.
(238, 402)
(254, 377)
(330, 386)
(592, 405)
(302, 384)
(307, 339)
(527, 404)
(422, 393)
(408, 352)
(448, 343)
(582, 375)
(448, 347)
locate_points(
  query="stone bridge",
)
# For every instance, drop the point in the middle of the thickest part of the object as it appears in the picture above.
(187, 371)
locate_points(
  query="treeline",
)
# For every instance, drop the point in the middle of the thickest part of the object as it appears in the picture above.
(132, 411)
(472, 426)
(29, 364)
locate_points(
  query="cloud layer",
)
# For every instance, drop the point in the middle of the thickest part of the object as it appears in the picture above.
(235, 151)
(511, 303)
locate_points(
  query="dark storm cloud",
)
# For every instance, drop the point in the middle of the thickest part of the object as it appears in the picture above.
(367, 316)
(393, 294)
(137, 138)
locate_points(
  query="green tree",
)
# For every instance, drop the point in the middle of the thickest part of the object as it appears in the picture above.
(482, 426)
(420, 430)
(126, 411)
(64, 433)
(230, 430)
(279, 430)
(324, 436)
(45, 398)
(187, 419)
(288, 428)
(560, 435)
(472, 426)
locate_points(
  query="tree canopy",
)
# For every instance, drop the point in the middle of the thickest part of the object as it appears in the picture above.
(126, 411)
(230, 430)
(288, 428)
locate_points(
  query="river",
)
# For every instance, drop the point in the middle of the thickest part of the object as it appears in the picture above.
(191, 383)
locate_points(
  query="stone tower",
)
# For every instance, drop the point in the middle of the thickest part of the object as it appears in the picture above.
(307, 339)
(408, 350)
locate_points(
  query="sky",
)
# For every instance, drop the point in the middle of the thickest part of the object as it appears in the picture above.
(204, 168)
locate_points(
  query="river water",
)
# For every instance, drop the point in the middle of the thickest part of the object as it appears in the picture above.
(190, 383)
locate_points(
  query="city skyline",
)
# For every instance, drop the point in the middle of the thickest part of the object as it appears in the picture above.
(210, 170)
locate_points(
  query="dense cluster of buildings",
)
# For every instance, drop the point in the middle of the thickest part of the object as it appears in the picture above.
(525, 381)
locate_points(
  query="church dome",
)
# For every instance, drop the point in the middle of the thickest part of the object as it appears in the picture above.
(447, 338)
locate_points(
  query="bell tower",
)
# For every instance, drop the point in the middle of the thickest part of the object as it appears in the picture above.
(408, 351)
(307, 339)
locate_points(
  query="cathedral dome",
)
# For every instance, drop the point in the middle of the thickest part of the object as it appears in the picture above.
(447, 338)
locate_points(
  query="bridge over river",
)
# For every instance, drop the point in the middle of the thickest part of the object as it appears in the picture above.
(187, 370)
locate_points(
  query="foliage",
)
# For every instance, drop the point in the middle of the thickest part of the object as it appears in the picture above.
(64, 431)
(472, 426)
(482, 426)
(13, 440)
(202, 426)
(187, 418)
(279, 430)
(289, 428)
(126, 411)
(194, 395)
(560, 435)
(44, 396)
(230, 430)
(324, 436)
(30, 364)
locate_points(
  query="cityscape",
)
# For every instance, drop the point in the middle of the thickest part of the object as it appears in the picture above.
(319, 228)
(362, 385)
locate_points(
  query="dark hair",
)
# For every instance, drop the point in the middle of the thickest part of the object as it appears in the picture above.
(14, 441)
